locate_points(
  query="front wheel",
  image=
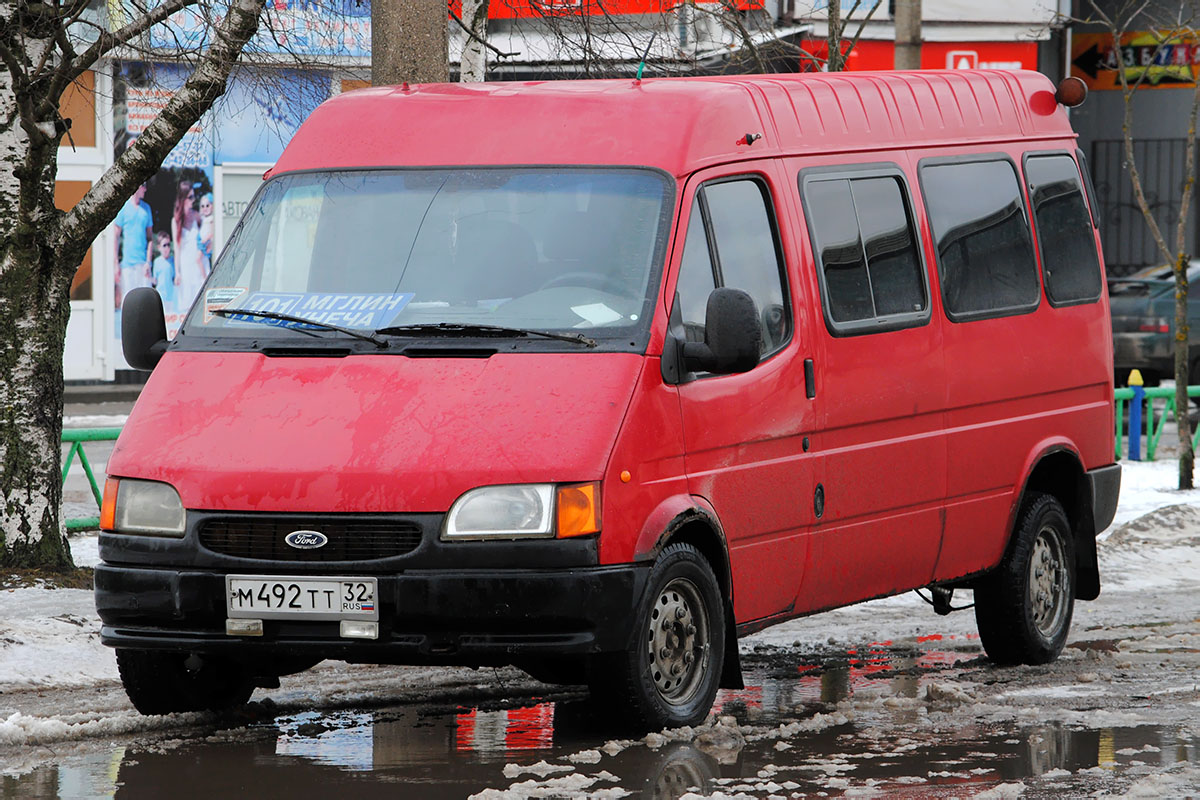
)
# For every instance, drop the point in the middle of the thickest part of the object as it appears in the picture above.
(165, 682)
(670, 676)
(1024, 608)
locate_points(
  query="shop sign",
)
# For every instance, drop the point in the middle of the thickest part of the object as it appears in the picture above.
(1156, 59)
(881, 55)
(540, 9)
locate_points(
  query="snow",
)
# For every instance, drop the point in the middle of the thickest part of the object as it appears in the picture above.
(95, 420)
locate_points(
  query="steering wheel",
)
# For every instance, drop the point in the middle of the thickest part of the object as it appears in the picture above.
(593, 280)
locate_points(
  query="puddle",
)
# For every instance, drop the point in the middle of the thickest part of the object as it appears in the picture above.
(790, 741)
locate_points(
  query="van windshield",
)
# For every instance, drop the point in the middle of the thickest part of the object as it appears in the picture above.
(448, 250)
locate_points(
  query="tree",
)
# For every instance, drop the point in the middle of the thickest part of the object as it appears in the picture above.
(1135, 69)
(408, 42)
(474, 56)
(838, 45)
(44, 47)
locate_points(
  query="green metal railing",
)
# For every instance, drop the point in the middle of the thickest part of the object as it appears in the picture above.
(1152, 418)
(76, 437)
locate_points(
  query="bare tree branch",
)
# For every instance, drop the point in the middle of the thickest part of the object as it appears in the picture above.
(470, 33)
(107, 42)
(85, 221)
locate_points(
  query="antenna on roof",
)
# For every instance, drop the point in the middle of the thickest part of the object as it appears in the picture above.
(642, 63)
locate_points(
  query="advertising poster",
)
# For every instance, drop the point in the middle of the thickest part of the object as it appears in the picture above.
(164, 235)
(261, 110)
(1157, 60)
(299, 27)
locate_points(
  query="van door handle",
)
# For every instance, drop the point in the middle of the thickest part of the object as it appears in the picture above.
(810, 379)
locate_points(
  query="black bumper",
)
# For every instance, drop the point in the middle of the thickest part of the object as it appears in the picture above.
(470, 617)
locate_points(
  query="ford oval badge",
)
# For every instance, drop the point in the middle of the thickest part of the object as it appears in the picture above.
(306, 540)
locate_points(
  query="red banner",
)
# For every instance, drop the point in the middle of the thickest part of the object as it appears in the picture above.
(879, 55)
(526, 9)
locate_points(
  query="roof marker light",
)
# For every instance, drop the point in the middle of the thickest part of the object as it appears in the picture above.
(1071, 92)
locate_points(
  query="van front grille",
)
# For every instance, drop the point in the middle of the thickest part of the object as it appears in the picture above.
(348, 539)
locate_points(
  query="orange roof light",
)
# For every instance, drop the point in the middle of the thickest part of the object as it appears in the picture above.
(578, 509)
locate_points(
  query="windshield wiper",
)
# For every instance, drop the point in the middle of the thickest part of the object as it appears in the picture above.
(250, 312)
(466, 329)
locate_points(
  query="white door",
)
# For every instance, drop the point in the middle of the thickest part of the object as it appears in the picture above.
(86, 356)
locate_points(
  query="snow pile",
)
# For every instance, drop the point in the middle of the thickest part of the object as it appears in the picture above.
(20, 729)
(1160, 548)
(541, 769)
(51, 637)
(1147, 486)
(574, 785)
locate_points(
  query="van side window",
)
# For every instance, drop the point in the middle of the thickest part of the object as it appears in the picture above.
(984, 247)
(696, 277)
(1070, 265)
(732, 241)
(865, 243)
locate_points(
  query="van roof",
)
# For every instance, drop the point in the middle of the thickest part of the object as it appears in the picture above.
(676, 124)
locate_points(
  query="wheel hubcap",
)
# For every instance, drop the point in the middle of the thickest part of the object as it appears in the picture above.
(1048, 582)
(678, 641)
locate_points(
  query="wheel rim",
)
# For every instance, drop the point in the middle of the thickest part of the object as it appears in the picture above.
(678, 641)
(1048, 582)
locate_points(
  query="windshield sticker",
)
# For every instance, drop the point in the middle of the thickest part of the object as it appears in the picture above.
(216, 299)
(368, 311)
(595, 314)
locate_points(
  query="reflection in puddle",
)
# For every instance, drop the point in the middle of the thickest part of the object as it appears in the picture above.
(790, 743)
(342, 740)
(528, 728)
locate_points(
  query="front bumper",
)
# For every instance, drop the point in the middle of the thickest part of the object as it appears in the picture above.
(469, 617)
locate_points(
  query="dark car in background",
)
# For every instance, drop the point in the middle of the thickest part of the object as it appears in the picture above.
(1143, 324)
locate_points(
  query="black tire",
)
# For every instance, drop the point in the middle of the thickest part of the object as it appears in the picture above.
(670, 676)
(1023, 609)
(562, 671)
(166, 682)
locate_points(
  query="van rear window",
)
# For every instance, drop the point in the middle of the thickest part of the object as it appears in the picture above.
(1065, 236)
(984, 247)
(865, 244)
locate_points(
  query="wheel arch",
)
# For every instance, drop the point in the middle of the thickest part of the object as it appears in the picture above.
(1058, 470)
(691, 520)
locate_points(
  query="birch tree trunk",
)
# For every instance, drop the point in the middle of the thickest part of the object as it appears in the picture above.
(473, 68)
(41, 246)
(34, 306)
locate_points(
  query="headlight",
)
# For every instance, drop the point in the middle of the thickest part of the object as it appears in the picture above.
(145, 507)
(525, 511)
(502, 512)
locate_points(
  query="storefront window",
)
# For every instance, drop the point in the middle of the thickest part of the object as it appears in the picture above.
(66, 195)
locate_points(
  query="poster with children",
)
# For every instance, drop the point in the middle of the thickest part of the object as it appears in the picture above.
(163, 235)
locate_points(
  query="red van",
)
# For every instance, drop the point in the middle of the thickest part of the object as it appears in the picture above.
(594, 377)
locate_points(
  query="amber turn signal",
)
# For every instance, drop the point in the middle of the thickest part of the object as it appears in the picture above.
(578, 509)
(108, 507)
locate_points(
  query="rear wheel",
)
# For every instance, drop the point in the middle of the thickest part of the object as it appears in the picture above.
(670, 676)
(165, 682)
(1024, 608)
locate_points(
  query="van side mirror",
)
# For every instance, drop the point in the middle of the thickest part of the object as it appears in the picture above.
(732, 335)
(143, 328)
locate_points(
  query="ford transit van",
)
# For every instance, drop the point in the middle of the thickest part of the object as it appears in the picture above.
(593, 378)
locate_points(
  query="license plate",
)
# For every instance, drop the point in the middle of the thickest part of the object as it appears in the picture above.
(276, 597)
